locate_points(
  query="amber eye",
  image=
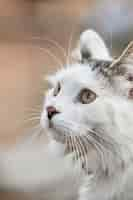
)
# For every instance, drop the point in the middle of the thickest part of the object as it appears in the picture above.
(86, 96)
(57, 89)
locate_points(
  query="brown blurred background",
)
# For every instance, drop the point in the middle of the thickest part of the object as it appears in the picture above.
(23, 26)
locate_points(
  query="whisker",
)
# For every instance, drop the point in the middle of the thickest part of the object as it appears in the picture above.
(108, 143)
(31, 120)
(84, 142)
(30, 115)
(67, 147)
(76, 148)
(34, 114)
(55, 43)
(53, 56)
(99, 148)
(78, 161)
(104, 146)
(73, 148)
(33, 110)
(83, 153)
(70, 144)
(69, 48)
(33, 136)
(79, 150)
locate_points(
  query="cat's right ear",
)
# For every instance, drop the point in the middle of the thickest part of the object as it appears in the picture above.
(91, 46)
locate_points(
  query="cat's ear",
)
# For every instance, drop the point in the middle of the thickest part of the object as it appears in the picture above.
(121, 71)
(91, 46)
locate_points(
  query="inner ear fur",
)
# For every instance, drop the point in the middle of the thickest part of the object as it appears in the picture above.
(92, 46)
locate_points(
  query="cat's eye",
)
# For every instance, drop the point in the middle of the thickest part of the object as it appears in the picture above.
(86, 96)
(57, 89)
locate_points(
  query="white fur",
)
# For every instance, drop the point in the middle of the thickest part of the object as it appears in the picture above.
(110, 112)
(38, 173)
(91, 42)
(113, 112)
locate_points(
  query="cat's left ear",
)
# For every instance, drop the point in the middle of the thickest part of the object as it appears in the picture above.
(91, 46)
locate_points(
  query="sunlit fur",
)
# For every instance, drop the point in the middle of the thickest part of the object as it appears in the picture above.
(100, 133)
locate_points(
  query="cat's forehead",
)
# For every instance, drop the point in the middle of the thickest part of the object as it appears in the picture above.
(81, 73)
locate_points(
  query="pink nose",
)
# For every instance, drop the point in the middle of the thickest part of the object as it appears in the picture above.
(51, 111)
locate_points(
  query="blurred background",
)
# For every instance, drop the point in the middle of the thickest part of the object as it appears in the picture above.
(27, 26)
(30, 30)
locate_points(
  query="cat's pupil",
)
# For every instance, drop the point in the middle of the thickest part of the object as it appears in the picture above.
(57, 89)
(86, 96)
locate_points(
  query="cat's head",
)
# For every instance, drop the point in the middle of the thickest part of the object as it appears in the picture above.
(84, 96)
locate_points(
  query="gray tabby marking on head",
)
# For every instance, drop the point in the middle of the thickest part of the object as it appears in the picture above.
(118, 71)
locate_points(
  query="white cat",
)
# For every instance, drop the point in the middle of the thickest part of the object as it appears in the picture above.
(88, 115)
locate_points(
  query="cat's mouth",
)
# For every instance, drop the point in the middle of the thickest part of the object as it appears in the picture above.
(82, 141)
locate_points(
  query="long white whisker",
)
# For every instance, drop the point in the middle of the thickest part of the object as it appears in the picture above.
(99, 150)
(33, 111)
(79, 150)
(67, 146)
(107, 144)
(85, 145)
(91, 141)
(69, 49)
(73, 148)
(78, 161)
(82, 150)
(55, 43)
(76, 149)
(34, 114)
(34, 134)
(72, 142)
(32, 119)
(52, 55)
(83, 155)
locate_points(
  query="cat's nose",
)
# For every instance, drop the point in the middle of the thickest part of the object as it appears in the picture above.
(51, 111)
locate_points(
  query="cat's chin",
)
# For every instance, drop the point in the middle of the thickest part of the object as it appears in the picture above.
(56, 134)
